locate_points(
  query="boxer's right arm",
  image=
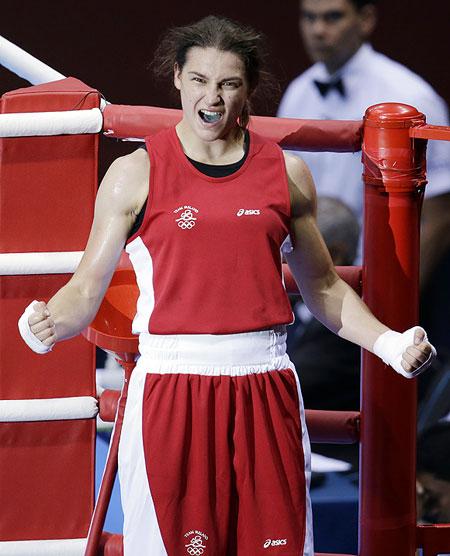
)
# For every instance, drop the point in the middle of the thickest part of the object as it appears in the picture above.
(120, 198)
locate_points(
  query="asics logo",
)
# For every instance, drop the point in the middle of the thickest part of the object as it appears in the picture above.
(275, 542)
(248, 212)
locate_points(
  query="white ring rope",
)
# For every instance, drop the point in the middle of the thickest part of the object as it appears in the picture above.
(25, 65)
(28, 67)
(64, 547)
(68, 122)
(14, 264)
(49, 409)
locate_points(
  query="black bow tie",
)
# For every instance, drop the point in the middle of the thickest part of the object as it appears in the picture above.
(325, 87)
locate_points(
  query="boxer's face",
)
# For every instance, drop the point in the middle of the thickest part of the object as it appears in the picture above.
(213, 89)
(333, 30)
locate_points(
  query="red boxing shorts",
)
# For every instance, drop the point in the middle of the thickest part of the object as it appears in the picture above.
(214, 457)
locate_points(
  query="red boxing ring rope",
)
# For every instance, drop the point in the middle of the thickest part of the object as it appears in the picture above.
(350, 274)
(121, 121)
(327, 427)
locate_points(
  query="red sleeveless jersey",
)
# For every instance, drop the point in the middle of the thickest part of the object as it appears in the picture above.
(207, 254)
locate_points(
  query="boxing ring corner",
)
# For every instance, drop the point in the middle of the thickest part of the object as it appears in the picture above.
(58, 174)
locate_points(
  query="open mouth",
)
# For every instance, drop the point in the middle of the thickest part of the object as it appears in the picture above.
(210, 117)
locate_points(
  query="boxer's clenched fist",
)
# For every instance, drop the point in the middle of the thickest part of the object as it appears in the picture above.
(42, 325)
(37, 328)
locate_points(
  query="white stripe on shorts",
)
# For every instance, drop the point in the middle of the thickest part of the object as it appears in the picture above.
(308, 549)
(141, 532)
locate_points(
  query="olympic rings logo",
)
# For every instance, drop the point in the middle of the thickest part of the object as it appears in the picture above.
(195, 547)
(186, 220)
(186, 225)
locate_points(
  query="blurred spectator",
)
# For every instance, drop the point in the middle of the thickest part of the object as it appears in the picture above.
(328, 365)
(433, 474)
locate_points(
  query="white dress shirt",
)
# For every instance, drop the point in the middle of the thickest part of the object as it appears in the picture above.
(368, 78)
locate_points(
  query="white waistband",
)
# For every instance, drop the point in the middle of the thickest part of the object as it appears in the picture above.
(211, 354)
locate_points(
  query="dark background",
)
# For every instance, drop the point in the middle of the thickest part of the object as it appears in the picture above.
(109, 47)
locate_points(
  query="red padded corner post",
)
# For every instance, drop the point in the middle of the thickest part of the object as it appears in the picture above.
(394, 176)
(47, 191)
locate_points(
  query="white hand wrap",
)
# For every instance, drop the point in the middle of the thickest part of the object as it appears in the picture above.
(28, 337)
(391, 345)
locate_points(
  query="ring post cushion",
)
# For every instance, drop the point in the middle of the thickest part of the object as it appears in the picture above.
(47, 192)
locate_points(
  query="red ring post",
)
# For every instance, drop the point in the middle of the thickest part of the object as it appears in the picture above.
(110, 471)
(394, 177)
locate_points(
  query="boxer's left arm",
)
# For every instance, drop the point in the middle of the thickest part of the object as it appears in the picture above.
(329, 298)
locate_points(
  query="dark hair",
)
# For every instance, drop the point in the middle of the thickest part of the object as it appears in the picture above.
(361, 3)
(220, 33)
(358, 4)
(433, 450)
